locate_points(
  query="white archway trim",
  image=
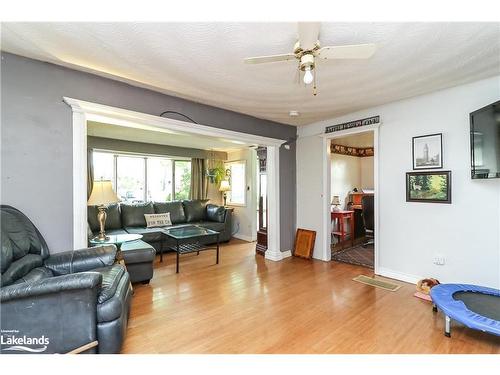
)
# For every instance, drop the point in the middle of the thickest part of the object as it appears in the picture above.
(84, 111)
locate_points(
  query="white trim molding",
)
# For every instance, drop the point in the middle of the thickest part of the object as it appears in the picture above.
(412, 279)
(79, 180)
(273, 251)
(326, 253)
(84, 111)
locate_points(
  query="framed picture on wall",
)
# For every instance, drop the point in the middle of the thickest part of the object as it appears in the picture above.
(430, 187)
(427, 151)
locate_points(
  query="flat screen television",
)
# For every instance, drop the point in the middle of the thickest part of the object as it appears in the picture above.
(485, 141)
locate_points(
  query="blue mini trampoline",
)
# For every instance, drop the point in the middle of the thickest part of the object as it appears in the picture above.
(476, 307)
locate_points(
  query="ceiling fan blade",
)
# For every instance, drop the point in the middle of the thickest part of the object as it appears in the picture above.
(271, 58)
(308, 34)
(356, 51)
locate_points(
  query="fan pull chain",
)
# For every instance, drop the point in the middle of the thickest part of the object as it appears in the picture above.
(315, 92)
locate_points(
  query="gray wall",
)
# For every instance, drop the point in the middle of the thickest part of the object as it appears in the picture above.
(36, 140)
(150, 148)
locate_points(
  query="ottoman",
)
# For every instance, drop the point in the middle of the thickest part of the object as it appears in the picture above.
(139, 257)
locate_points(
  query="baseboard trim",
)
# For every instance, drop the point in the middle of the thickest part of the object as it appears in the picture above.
(277, 256)
(244, 238)
(412, 279)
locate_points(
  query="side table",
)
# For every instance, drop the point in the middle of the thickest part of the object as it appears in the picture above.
(338, 229)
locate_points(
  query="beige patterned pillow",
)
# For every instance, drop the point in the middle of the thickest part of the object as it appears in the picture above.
(157, 220)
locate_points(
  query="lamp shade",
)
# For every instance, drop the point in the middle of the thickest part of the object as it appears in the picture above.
(336, 200)
(224, 186)
(102, 194)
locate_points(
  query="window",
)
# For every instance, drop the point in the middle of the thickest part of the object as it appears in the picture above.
(103, 166)
(160, 179)
(139, 178)
(130, 178)
(182, 179)
(237, 195)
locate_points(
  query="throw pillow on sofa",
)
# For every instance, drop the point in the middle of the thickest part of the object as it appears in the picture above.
(157, 220)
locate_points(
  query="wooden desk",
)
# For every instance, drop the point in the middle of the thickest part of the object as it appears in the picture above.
(338, 228)
(356, 198)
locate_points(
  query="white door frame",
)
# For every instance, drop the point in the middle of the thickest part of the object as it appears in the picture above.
(327, 188)
(84, 111)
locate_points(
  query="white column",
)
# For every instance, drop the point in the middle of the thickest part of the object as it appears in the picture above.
(327, 222)
(79, 179)
(273, 251)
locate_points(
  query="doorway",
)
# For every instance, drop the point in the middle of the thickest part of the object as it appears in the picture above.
(327, 228)
(352, 204)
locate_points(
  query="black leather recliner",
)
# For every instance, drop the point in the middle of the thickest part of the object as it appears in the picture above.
(57, 303)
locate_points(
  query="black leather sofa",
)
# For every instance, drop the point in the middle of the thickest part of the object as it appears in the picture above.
(126, 218)
(57, 303)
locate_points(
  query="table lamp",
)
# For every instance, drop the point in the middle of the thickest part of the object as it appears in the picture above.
(335, 202)
(101, 196)
(224, 188)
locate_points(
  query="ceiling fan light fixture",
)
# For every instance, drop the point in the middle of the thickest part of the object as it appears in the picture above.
(307, 65)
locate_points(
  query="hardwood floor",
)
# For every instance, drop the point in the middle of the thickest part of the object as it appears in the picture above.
(247, 304)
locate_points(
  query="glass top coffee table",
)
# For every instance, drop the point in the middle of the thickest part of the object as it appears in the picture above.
(118, 240)
(115, 239)
(189, 239)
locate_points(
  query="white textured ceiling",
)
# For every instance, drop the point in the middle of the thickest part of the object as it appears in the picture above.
(204, 61)
(163, 137)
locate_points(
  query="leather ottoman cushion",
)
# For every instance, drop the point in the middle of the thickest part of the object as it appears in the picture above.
(148, 234)
(137, 252)
(176, 210)
(113, 217)
(195, 210)
(133, 215)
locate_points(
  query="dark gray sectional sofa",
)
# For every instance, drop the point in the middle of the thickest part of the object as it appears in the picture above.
(127, 218)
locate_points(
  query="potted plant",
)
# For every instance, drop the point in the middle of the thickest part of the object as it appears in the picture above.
(216, 174)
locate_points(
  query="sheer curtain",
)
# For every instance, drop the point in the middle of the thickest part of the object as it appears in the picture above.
(198, 179)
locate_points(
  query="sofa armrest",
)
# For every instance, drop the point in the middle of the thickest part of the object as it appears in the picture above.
(52, 285)
(217, 213)
(81, 260)
(58, 312)
(228, 214)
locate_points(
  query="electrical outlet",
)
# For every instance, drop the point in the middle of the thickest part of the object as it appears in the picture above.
(439, 260)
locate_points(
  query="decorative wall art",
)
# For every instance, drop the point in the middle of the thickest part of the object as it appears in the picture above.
(427, 151)
(351, 151)
(431, 187)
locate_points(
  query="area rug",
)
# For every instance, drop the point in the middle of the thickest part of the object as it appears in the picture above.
(358, 255)
(377, 283)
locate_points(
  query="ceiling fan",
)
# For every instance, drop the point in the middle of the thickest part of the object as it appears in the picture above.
(307, 49)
